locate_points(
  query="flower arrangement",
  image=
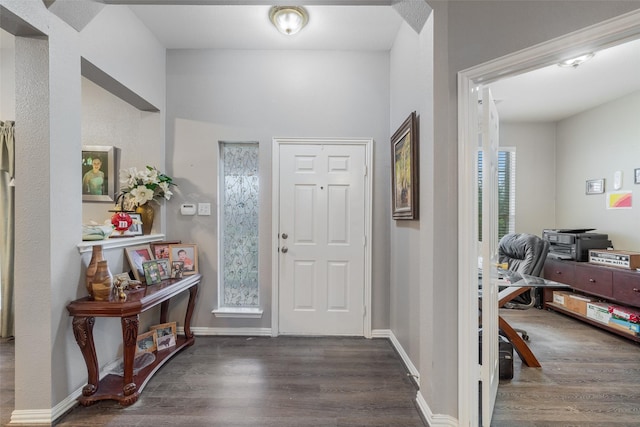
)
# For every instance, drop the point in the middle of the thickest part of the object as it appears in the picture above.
(137, 187)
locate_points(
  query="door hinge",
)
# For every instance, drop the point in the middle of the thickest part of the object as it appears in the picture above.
(366, 170)
(364, 241)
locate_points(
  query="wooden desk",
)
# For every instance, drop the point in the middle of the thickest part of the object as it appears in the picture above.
(127, 389)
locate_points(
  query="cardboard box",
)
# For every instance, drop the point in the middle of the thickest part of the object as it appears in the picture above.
(561, 297)
(624, 325)
(577, 303)
(625, 313)
(599, 311)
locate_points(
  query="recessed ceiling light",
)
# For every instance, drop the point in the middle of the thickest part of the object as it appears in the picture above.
(288, 19)
(576, 62)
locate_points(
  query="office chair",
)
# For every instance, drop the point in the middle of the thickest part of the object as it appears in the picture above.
(525, 254)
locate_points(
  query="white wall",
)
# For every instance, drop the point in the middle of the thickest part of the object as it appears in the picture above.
(535, 145)
(594, 145)
(228, 95)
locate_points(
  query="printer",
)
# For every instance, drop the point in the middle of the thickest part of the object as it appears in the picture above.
(574, 244)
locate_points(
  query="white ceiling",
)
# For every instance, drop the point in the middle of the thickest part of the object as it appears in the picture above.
(553, 93)
(248, 27)
(548, 94)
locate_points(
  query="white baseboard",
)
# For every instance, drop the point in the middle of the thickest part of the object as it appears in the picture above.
(434, 420)
(250, 332)
(31, 416)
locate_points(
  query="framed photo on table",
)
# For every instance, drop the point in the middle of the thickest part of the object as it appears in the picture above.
(404, 170)
(98, 173)
(161, 249)
(147, 342)
(166, 335)
(188, 255)
(151, 272)
(137, 255)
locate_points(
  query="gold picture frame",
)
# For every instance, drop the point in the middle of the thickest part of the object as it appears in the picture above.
(188, 254)
(147, 342)
(404, 170)
(136, 255)
(166, 335)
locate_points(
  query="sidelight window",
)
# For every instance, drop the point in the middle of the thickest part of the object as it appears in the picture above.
(239, 209)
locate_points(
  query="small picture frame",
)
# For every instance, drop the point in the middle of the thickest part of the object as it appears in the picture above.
(177, 268)
(636, 176)
(151, 272)
(166, 335)
(595, 186)
(147, 342)
(404, 170)
(98, 173)
(136, 226)
(136, 255)
(164, 267)
(188, 255)
(161, 249)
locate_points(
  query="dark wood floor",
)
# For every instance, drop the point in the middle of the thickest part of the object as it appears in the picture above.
(588, 378)
(285, 381)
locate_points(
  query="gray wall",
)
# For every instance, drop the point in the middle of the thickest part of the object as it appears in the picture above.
(48, 98)
(469, 33)
(594, 145)
(535, 145)
(227, 95)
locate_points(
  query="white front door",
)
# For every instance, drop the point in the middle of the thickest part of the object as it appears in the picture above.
(321, 239)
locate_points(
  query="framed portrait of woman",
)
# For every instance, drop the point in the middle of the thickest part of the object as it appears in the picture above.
(98, 173)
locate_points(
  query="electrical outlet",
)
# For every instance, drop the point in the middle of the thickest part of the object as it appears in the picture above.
(204, 208)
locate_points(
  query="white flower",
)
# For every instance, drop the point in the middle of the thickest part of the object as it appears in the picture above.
(142, 194)
(137, 187)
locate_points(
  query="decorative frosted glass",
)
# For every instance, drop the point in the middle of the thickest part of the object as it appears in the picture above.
(240, 225)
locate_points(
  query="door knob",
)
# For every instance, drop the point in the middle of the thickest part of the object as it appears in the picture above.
(284, 250)
(285, 235)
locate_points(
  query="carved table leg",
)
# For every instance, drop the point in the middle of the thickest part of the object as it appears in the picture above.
(83, 331)
(193, 293)
(129, 339)
(164, 311)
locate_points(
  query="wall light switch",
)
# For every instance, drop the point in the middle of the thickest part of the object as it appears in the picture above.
(617, 180)
(204, 208)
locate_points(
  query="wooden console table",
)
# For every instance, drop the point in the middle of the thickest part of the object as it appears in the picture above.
(127, 389)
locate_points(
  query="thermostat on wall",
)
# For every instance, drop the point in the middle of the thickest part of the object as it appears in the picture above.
(188, 209)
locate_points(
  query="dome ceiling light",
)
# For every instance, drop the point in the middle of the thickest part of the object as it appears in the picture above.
(576, 62)
(288, 19)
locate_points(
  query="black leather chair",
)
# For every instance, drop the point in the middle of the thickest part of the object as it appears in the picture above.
(525, 254)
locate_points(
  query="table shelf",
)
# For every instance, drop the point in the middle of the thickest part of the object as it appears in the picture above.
(127, 388)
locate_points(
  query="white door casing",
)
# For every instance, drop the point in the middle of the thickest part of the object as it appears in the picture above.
(321, 226)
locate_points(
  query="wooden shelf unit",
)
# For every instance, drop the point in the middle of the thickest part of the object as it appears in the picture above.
(610, 284)
(126, 389)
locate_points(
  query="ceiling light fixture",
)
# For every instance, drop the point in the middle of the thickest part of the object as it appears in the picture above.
(576, 62)
(288, 19)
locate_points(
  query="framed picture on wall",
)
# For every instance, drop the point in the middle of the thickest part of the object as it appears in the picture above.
(636, 176)
(98, 173)
(404, 170)
(595, 186)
